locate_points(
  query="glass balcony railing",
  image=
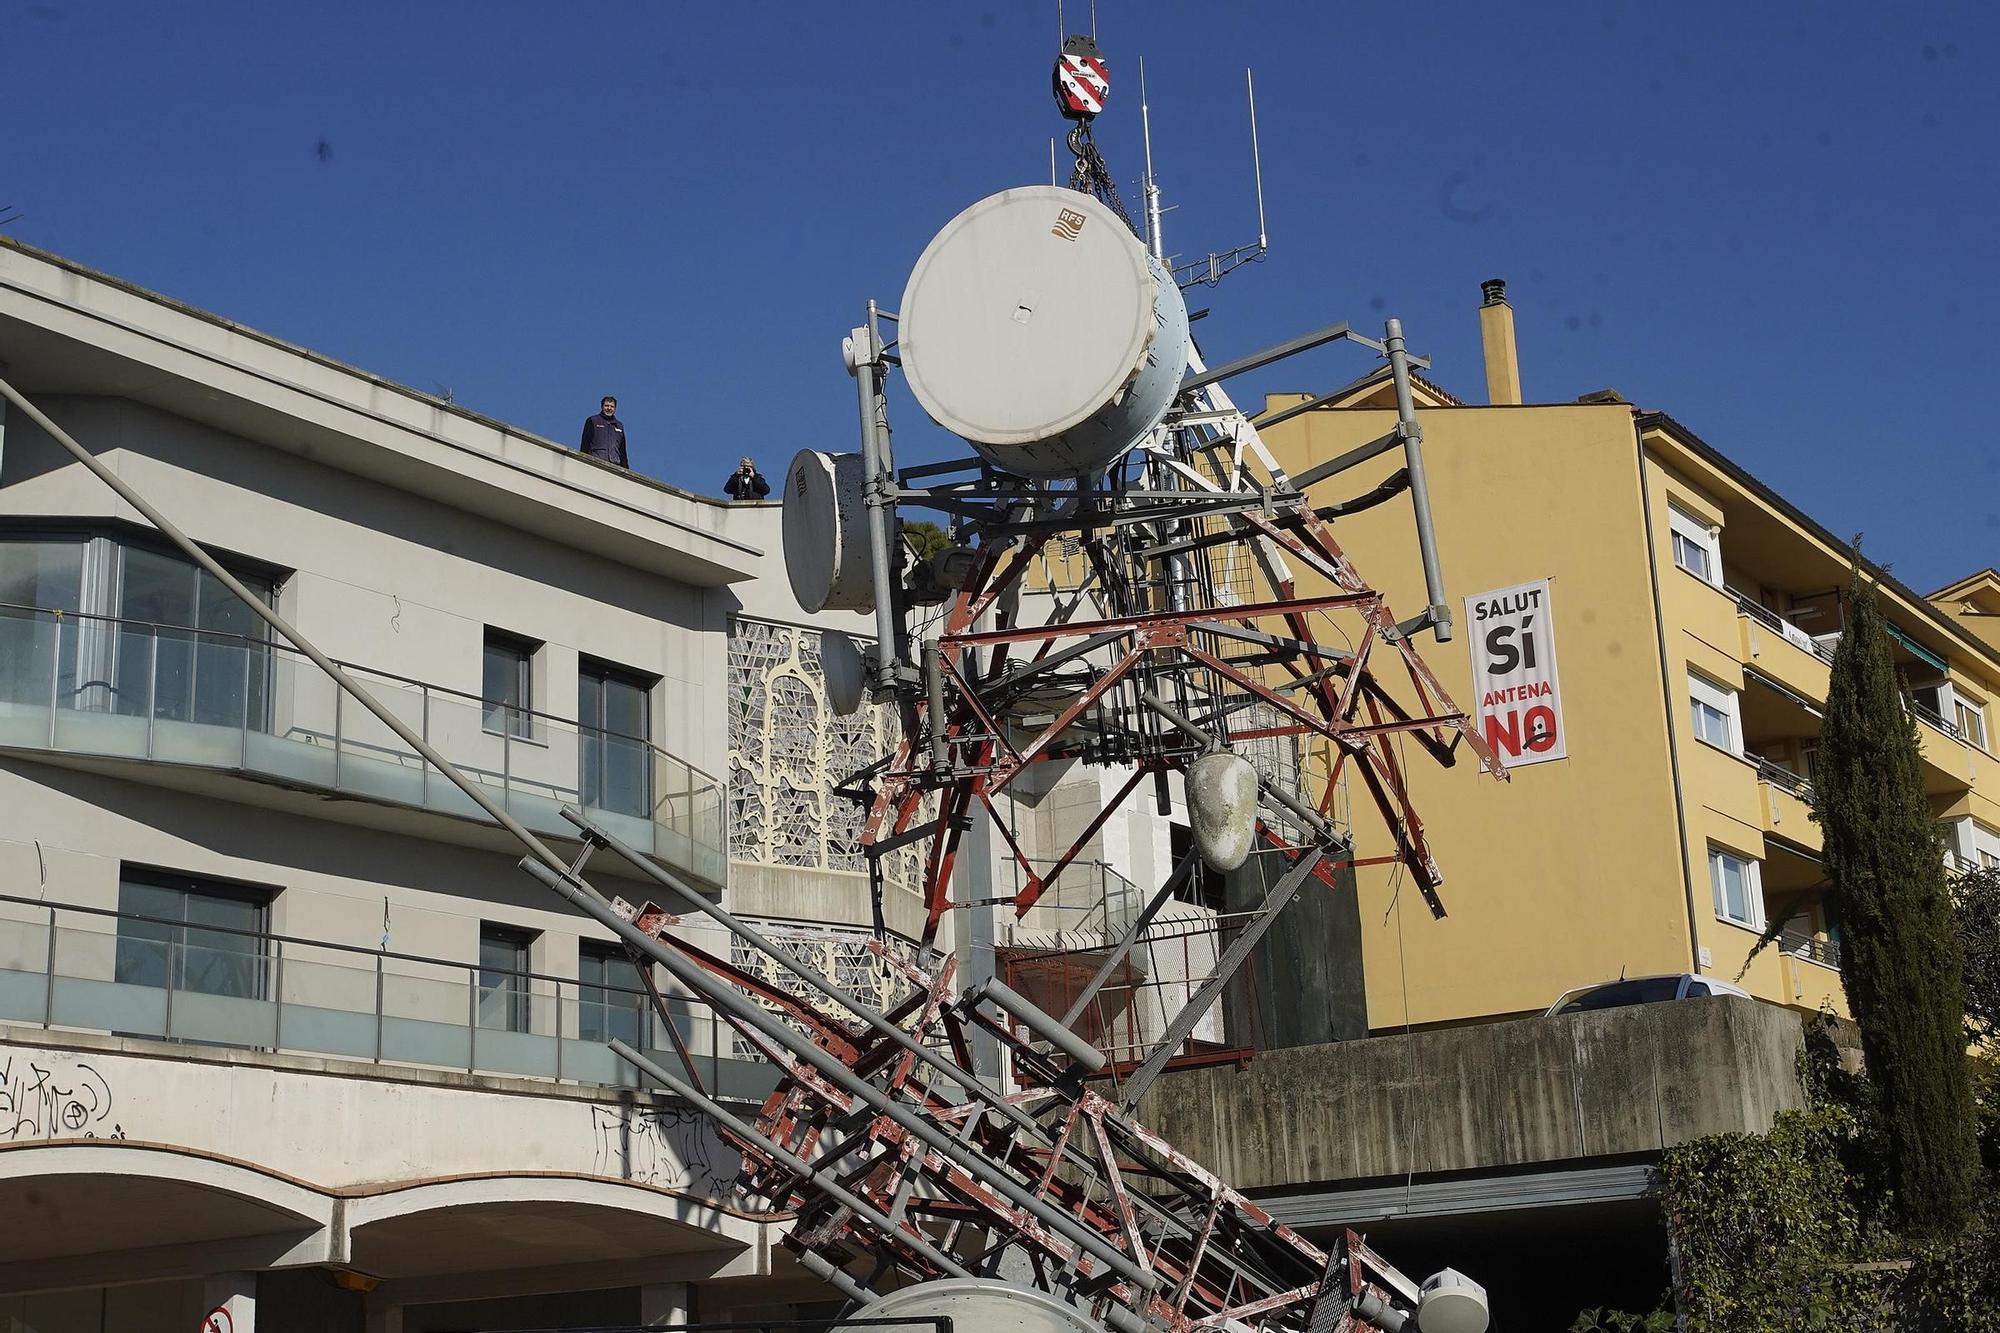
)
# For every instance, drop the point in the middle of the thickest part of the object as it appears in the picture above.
(137, 976)
(92, 685)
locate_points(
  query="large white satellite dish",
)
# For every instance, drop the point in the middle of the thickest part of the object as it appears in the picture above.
(1036, 326)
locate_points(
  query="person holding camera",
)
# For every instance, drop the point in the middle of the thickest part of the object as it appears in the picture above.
(746, 483)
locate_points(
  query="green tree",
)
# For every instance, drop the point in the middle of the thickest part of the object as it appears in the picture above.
(925, 538)
(1976, 906)
(1899, 951)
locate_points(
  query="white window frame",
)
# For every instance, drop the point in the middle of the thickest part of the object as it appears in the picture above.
(1699, 533)
(1720, 699)
(1753, 886)
(1965, 708)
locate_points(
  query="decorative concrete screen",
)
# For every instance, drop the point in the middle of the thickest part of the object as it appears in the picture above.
(788, 750)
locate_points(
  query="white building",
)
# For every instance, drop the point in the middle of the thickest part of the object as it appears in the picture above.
(283, 1029)
(276, 1002)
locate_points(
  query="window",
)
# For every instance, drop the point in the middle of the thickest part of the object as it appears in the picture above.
(198, 936)
(165, 638)
(614, 731)
(1697, 547)
(1715, 713)
(1739, 894)
(605, 1006)
(506, 684)
(1971, 720)
(503, 982)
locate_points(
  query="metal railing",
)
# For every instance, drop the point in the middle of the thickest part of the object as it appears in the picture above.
(89, 968)
(1820, 646)
(1930, 717)
(1783, 778)
(101, 685)
(1811, 948)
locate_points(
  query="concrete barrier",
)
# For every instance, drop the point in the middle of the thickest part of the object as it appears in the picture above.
(1608, 1084)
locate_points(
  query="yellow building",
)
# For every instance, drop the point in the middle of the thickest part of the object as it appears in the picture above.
(1694, 616)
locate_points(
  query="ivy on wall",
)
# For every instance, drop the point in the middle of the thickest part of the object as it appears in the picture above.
(1793, 1229)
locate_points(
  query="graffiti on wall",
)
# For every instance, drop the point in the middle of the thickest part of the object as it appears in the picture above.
(52, 1097)
(668, 1146)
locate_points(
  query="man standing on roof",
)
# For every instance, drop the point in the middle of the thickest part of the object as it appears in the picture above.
(604, 434)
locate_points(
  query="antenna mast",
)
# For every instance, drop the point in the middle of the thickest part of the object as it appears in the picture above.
(1155, 235)
(1214, 267)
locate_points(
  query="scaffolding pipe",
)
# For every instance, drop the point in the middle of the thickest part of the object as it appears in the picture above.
(770, 1147)
(728, 999)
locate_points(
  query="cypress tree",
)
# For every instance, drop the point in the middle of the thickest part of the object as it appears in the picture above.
(1899, 956)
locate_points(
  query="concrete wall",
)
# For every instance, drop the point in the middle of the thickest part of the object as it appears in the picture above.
(1522, 1093)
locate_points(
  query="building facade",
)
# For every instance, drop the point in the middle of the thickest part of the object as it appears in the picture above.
(1694, 614)
(284, 1030)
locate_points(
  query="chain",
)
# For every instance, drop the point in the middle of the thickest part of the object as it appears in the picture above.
(1090, 175)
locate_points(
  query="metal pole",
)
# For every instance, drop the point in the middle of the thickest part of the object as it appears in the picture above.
(1420, 495)
(49, 990)
(278, 998)
(726, 998)
(192, 551)
(934, 719)
(825, 1180)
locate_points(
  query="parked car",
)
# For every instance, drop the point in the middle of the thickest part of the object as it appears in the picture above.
(1641, 990)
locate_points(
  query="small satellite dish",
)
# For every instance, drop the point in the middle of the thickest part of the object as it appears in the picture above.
(825, 527)
(845, 670)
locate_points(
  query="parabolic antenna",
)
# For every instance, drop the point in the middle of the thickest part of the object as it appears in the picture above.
(845, 673)
(1036, 326)
(825, 528)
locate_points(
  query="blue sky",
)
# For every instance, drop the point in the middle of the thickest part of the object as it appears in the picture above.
(1774, 221)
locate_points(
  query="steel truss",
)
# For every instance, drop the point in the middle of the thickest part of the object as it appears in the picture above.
(899, 1164)
(1162, 668)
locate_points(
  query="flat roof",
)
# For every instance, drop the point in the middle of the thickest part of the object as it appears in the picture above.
(68, 329)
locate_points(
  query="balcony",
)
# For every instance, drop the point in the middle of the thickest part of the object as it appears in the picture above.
(1787, 802)
(1782, 650)
(131, 975)
(93, 686)
(1810, 948)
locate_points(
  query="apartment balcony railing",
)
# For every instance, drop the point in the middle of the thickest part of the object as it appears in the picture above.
(1930, 717)
(99, 686)
(138, 976)
(1783, 778)
(1811, 948)
(1820, 646)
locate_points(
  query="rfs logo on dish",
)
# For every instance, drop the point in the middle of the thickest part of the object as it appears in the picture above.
(1519, 710)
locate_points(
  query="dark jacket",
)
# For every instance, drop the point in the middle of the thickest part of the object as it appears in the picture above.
(740, 487)
(604, 437)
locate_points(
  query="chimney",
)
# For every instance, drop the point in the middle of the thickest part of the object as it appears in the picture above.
(1496, 339)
